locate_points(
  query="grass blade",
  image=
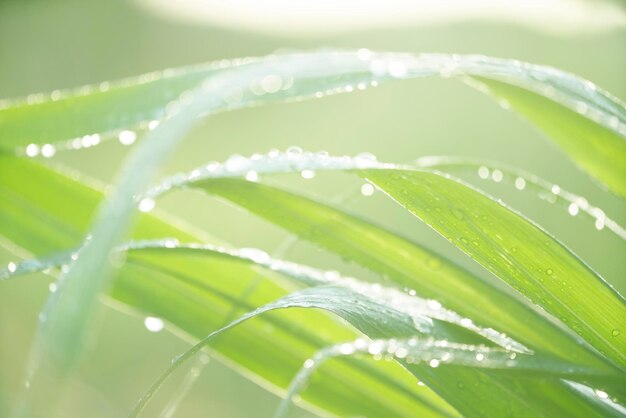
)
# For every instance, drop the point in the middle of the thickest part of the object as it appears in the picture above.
(587, 123)
(35, 202)
(548, 191)
(516, 251)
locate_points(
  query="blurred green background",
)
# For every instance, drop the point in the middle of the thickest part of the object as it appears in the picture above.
(45, 45)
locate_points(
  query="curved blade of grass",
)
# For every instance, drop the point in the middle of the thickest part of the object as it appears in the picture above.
(403, 261)
(273, 205)
(522, 395)
(420, 310)
(137, 281)
(132, 290)
(35, 207)
(425, 351)
(515, 250)
(61, 334)
(598, 149)
(400, 304)
(522, 180)
(371, 317)
(586, 122)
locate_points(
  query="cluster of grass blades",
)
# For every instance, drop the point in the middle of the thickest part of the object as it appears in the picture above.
(548, 343)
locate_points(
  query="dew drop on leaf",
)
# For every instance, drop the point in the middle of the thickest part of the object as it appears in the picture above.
(601, 394)
(153, 324)
(307, 174)
(32, 150)
(367, 189)
(127, 137)
(48, 150)
(146, 205)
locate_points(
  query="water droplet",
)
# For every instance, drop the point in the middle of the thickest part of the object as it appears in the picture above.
(153, 324)
(271, 83)
(615, 332)
(146, 204)
(152, 125)
(48, 150)
(378, 68)
(520, 183)
(480, 357)
(434, 363)
(127, 137)
(600, 224)
(601, 394)
(573, 209)
(32, 150)
(170, 243)
(401, 352)
(364, 54)
(556, 189)
(309, 363)
(433, 304)
(12, 267)
(254, 254)
(346, 349)
(549, 272)
(483, 172)
(234, 163)
(375, 348)
(252, 176)
(367, 189)
(497, 176)
(397, 69)
(307, 174)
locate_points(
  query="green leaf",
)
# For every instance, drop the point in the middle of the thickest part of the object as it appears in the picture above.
(522, 180)
(404, 262)
(437, 278)
(161, 291)
(598, 149)
(179, 99)
(587, 123)
(45, 212)
(515, 250)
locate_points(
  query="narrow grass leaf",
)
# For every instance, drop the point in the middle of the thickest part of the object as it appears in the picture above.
(587, 123)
